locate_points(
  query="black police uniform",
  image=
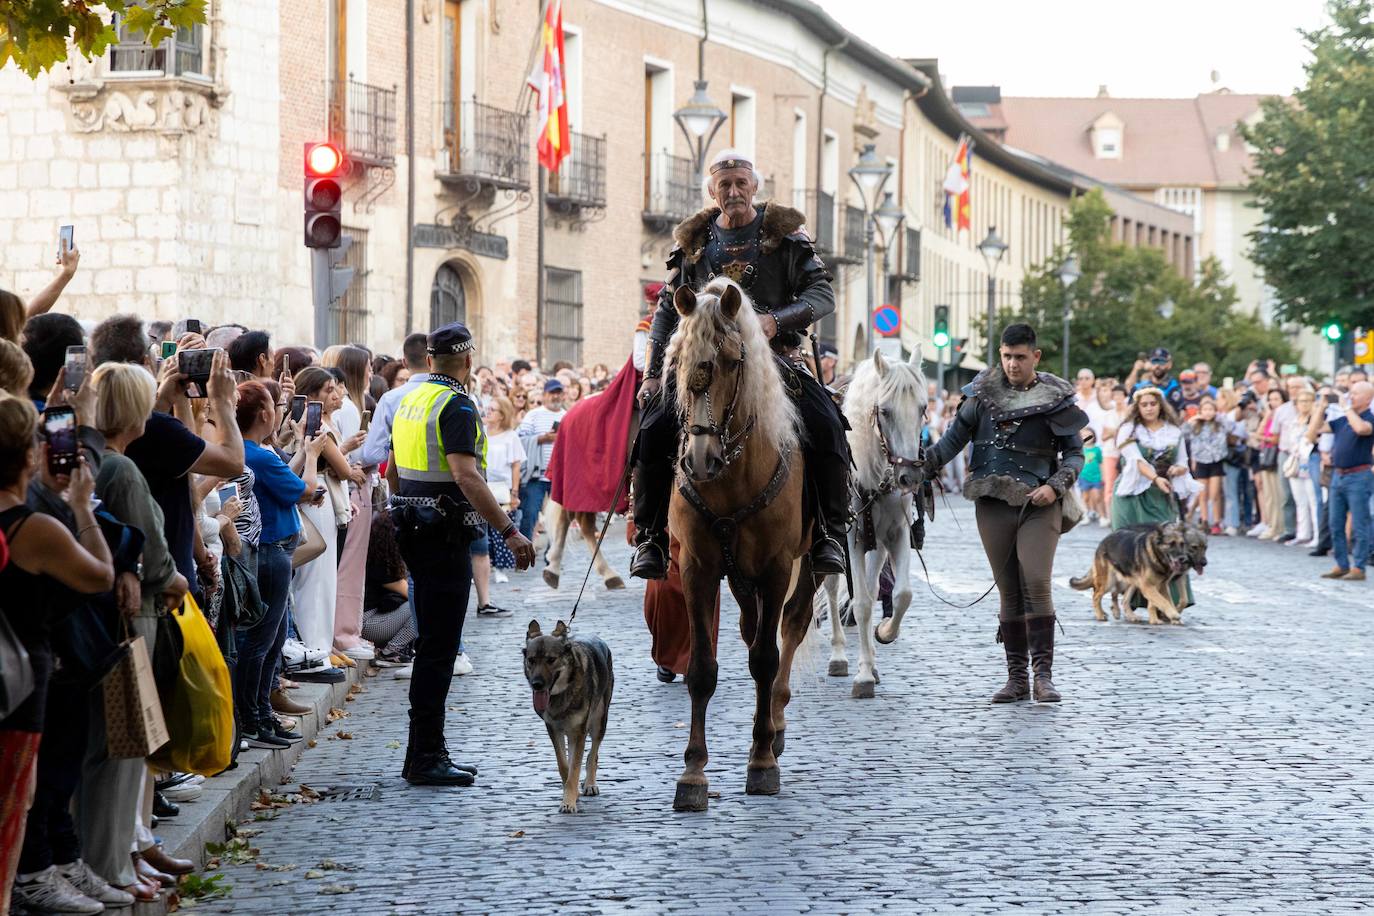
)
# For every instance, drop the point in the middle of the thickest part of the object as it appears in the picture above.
(775, 263)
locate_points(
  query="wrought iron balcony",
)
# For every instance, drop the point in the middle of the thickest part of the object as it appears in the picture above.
(819, 209)
(484, 145)
(362, 121)
(855, 240)
(580, 182)
(671, 191)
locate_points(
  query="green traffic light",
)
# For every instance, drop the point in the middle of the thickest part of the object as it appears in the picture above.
(940, 339)
(1332, 332)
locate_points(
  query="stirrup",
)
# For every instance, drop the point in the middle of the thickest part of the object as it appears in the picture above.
(650, 561)
(827, 557)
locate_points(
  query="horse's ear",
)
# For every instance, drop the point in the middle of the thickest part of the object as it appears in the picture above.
(534, 631)
(684, 300)
(879, 363)
(730, 301)
(915, 361)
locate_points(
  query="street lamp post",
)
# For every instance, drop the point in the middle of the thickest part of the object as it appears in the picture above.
(869, 175)
(992, 248)
(888, 219)
(699, 120)
(1068, 273)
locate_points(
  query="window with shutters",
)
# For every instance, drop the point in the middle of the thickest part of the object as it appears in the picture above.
(562, 319)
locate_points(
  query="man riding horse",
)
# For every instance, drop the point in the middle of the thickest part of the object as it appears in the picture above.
(765, 249)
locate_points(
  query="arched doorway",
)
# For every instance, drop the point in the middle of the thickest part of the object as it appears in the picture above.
(448, 301)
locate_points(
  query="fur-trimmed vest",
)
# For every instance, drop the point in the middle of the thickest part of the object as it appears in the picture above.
(789, 280)
(1021, 439)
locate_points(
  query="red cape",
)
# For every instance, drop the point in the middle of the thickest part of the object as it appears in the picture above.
(593, 442)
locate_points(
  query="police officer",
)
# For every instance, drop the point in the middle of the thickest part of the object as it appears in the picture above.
(765, 249)
(437, 469)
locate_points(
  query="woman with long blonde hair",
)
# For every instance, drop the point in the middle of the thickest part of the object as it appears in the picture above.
(356, 366)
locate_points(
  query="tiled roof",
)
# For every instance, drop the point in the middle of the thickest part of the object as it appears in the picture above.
(1164, 142)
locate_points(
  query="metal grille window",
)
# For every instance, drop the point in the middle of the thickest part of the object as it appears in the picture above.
(348, 316)
(854, 236)
(132, 53)
(581, 179)
(362, 119)
(913, 254)
(673, 190)
(562, 321)
(448, 301)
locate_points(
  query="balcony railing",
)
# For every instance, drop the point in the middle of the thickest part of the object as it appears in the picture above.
(580, 182)
(485, 143)
(362, 121)
(819, 209)
(671, 190)
(855, 242)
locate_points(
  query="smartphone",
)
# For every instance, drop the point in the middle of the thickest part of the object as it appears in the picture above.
(76, 368)
(195, 365)
(169, 347)
(59, 431)
(1332, 397)
(65, 240)
(193, 326)
(227, 492)
(297, 408)
(367, 418)
(314, 413)
(286, 365)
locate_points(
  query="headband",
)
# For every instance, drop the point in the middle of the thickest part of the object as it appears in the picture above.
(731, 164)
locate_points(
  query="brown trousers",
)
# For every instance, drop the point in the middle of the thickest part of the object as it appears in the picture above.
(1022, 557)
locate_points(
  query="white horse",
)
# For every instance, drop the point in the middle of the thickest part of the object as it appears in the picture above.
(886, 408)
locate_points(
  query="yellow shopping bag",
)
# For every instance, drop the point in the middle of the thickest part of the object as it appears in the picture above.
(200, 714)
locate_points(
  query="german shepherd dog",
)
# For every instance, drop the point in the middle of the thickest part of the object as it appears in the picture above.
(572, 680)
(1140, 558)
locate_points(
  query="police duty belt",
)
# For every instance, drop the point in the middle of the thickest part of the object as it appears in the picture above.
(470, 519)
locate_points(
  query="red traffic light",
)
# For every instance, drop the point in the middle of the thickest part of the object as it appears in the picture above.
(322, 159)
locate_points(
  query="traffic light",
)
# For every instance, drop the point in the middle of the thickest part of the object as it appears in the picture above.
(940, 337)
(324, 168)
(956, 350)
(1332, 331)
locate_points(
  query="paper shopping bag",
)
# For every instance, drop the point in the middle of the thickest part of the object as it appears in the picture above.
(134, 726)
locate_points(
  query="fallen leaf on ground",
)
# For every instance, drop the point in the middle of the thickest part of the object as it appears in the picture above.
(679, 725)
(393, 745)
(310, 743)
(343, 736)
(335, 714)
(314, 873)
(518, 833)
(336, 889)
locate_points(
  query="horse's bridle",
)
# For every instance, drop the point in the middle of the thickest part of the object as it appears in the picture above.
(893, 462)
(699, 384)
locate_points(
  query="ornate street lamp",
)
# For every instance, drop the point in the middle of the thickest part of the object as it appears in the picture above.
(992, 249)
(869, 175)
(1068, 274)
(699, 120)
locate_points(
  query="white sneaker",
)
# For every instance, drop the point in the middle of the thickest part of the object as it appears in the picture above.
(297, 654)
(49, 892)
(462, 665)
(500, 576)
(1104, 522)
(1259, 530)
(405, 672)
(184, 792)
(360, 654)
(1230, 531)
(80, 876)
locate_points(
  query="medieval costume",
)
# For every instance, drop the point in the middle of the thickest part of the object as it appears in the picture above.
(1138, 501)
(775, 263)
(1022, 439)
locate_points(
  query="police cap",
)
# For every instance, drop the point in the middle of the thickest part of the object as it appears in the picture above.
(449, 339)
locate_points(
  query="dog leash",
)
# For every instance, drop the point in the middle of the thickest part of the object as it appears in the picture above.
(610, 514)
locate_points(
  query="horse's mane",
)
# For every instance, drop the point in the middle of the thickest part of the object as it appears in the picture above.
(903, 388)
(761, 391)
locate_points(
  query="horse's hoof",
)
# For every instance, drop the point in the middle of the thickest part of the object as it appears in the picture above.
(839, 667)
(779, 742)
(614, 582)
(551, 579)
(762, 782)
(863, 690)
(690, 797)
(878, 635)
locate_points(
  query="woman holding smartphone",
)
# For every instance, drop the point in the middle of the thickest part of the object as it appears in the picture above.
(355, 365)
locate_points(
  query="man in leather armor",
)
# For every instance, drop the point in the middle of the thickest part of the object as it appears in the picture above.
(765, 249)
(1026, 456)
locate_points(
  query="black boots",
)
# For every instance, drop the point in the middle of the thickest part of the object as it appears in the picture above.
(653, 487)
(1040, 636)
(433, 767)
(1018, 680)
(830, 482)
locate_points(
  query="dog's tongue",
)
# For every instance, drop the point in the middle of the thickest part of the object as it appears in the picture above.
(541, 701)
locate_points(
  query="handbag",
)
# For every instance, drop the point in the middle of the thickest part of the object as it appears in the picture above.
(16, 669)
(242, 602)
(311, 545)
(134, 726)
(1267, 458)
(200, 711)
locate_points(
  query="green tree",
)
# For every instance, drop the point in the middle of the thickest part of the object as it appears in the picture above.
(35, 33)
(1116, 303)
(1314, 178)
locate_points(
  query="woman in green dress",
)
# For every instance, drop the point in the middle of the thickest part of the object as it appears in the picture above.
(1154, 475)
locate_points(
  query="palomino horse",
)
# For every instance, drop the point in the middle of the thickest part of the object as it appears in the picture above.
(886, 407)
(559, 521)
(737, 513)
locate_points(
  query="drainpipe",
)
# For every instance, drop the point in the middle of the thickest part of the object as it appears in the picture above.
(410, 165)
(820, 105)
(701, 45)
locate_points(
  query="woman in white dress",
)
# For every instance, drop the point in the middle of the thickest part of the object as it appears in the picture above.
(314, 589)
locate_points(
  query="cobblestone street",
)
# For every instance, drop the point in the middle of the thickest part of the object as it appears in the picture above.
(1217, 767)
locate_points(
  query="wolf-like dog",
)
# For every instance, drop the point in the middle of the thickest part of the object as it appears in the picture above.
(572, 680)
(1140, 558)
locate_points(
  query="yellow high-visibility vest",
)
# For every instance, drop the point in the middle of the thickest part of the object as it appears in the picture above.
(417, 440)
